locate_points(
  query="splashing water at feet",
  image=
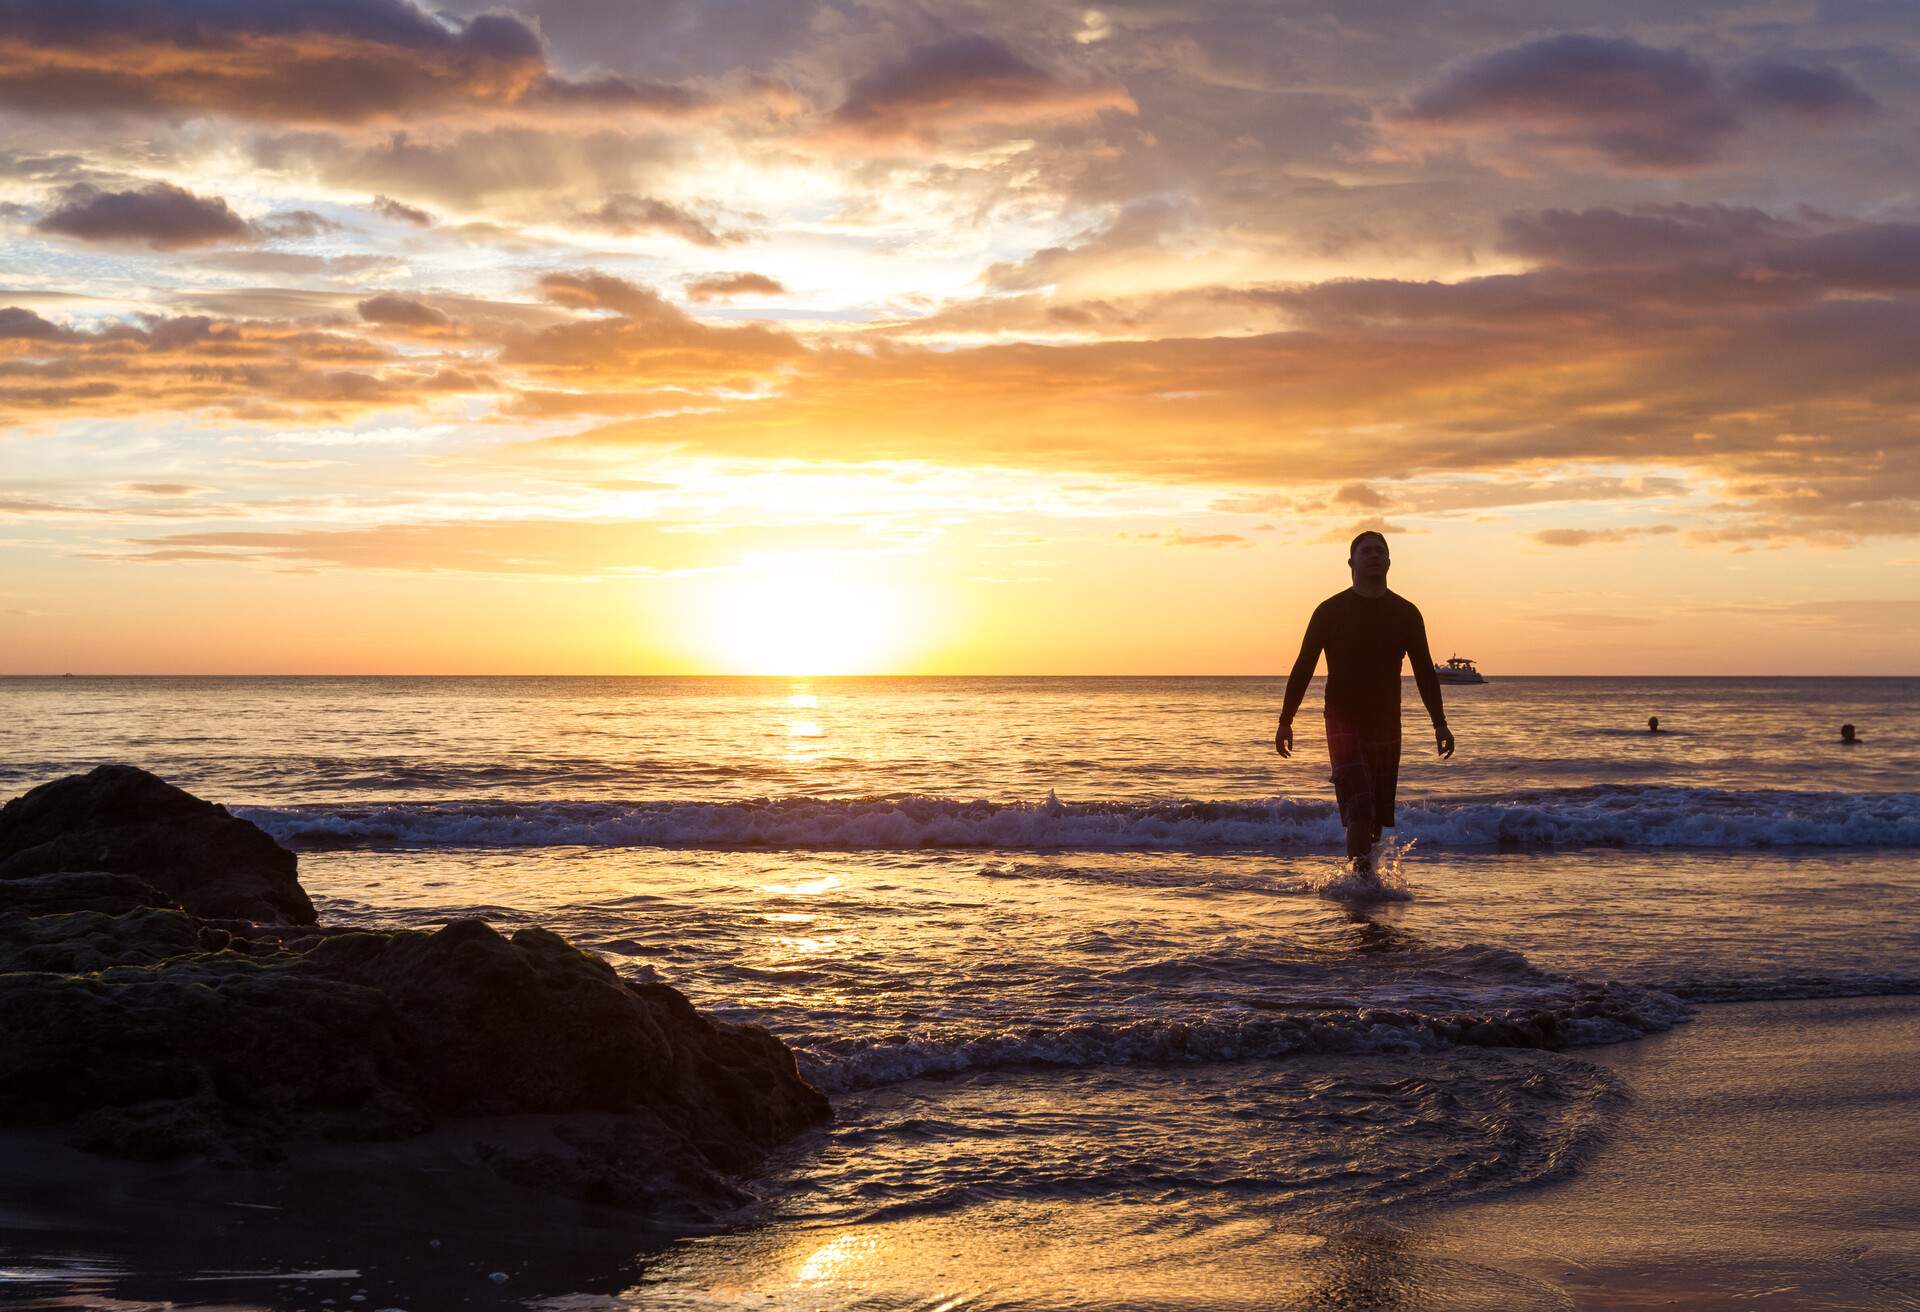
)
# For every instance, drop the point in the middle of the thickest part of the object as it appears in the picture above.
(1377, 877)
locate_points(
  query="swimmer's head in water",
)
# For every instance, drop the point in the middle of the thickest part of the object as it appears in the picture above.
(1846, 734)
(1653, 724)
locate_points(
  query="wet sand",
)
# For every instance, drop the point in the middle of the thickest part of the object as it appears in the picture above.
(1767, 1158)
(1770, 1158)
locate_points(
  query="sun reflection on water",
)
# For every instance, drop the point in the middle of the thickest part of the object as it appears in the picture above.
(805, 945)
(806, 887)
(830, 1259)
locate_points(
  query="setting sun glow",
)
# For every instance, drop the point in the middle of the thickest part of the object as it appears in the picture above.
(798, 615)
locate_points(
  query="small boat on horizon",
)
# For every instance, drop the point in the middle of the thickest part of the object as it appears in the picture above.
(1458, 669)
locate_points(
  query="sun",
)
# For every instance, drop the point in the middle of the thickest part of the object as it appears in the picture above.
(809, 615)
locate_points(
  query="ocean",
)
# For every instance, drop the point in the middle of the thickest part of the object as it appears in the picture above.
(1087, 942)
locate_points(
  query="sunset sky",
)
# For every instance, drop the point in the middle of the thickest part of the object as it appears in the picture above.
(654, 336)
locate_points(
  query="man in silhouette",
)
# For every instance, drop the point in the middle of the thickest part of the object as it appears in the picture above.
(1365, 632)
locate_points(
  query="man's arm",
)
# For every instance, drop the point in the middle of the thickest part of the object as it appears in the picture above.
(1297, 682)
(1428, 682)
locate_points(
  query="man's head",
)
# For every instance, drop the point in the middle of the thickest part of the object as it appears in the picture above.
(1367, 557)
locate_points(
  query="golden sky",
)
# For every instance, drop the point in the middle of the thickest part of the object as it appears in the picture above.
(605, 336)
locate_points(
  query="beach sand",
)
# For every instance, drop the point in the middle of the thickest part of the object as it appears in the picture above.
(1766, 1158)
(1770, 1159)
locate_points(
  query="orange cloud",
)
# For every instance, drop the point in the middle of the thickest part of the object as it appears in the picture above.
(1698, 363)
(235, 367)
(651, 344)
(282, 61)
(556, 548)
(1586, 537)
(715, 286)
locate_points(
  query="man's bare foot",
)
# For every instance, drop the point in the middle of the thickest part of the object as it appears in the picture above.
(1363, 864)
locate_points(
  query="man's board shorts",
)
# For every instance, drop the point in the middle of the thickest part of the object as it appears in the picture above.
(1366, 769)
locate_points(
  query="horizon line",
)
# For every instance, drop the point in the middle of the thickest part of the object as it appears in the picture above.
(1277, 675)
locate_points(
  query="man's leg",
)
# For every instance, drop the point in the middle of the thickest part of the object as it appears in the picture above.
(1353, 785)
(1362, 834)
(1381, 752)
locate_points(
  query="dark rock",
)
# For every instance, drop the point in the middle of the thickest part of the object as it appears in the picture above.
(150, 1031)
(80, 890)
(119, 818)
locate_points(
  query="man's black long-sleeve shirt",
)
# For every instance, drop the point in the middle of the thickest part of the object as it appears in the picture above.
(1365, 639)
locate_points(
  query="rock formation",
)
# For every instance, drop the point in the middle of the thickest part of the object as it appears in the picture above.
(122, 819)
(143, 1019)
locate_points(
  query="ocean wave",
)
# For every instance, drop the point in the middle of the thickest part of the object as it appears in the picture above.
(1584, 1015)
(1624, 816)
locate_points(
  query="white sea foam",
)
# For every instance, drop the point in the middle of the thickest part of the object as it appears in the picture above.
(1582, 1015)
(1624, 816)
(1384, 881)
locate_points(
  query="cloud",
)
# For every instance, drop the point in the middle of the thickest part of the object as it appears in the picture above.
(1634, 106)
(1876, 615)
(1183, 538)
(401, 312)
(1359, 494)
(717, 286)
(1345, 534)
(1650, 234)
(1586, 537)
(624, 215)
(258, 369)
(1709, 249)
(651, 344)
(388, 208)
(160, 215)
(509, 171)
(1455, 495)
(25, 325)
(1874, 257)
(295, 264)
(166, 489)
(1588, 620)
(1615, 350)
(1148, 225)
(345, 61)
(281, 303)
(295, 224)
(589, 290)
(1802, 89)
(615, 95)
(963, 81)
(53, 169)
(578, 549)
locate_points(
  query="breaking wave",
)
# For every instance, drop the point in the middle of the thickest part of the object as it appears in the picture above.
(1585, 1014)
(1614, 815)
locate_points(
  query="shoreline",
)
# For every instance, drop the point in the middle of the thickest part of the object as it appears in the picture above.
(1693, 1201)
(1764, 1161)
(1767, 1160)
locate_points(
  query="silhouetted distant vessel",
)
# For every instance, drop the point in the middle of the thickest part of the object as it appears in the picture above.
(1458, 669)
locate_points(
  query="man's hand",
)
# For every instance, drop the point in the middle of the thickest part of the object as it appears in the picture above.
(1443, 738)
(1283, 738)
